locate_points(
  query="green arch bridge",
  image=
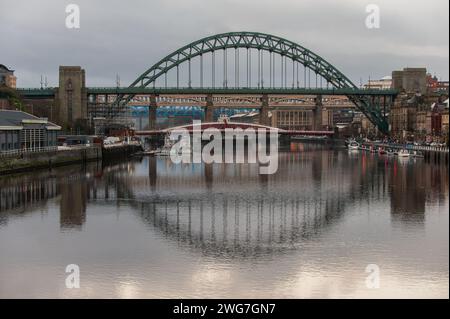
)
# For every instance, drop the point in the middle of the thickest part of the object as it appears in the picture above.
(243, 63)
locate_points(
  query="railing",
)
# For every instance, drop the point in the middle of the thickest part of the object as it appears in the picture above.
(422, 148)
(20, 152)
(239, 90)
(36, 89)
(134, 90)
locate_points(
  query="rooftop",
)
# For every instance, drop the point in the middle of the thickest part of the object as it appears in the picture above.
(10, 118)
(3, 67)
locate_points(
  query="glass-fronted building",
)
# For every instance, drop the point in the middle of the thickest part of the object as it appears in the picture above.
(26, 132)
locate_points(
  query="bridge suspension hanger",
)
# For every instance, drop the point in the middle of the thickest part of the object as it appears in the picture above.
(247, 67)
(225, 75)
(201, 70)
(213, 67)
(262, 69)
(304, 76)
(282, 71)
(259, 68)
(165, 78)
(293, 73)
(270, 69)
(250, 69)
(309, 78)
(274, 71)
(189, 71)
(236, 68)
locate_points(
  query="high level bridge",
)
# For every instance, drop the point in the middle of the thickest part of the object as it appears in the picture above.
(236, 70)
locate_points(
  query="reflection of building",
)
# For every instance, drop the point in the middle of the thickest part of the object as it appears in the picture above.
(73, 203)
(20, 193)
(407, 193)
(7, 77)
(20, 130)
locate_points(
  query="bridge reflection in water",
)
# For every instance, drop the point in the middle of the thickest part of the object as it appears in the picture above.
(230, 210)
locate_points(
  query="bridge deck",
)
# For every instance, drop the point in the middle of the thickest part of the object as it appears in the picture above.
(36, 92)
(223, 127)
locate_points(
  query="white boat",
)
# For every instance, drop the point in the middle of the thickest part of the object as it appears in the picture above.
(404, 153)
(353, 146)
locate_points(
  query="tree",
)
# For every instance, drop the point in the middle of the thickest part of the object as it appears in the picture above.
(13, 97)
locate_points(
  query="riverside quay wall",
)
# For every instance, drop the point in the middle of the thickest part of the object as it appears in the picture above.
(47, 159)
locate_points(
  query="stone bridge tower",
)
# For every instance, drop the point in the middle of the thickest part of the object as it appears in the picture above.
(72, 98)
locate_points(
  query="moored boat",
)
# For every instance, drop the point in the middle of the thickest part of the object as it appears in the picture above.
(353, 146)
(404, 153)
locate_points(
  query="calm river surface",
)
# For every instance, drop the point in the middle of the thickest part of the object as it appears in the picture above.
(148, 228)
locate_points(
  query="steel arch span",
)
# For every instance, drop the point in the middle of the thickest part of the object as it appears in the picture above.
(261, 42)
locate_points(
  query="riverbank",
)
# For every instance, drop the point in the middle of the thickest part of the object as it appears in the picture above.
(42, 160)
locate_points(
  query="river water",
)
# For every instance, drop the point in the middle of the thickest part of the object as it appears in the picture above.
(148, 228)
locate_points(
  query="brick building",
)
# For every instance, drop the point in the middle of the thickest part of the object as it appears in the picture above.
(403, 114)
(7, 77)
(435, 86)
(410, 80)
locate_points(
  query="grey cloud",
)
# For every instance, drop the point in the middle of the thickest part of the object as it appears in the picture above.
(128, 37)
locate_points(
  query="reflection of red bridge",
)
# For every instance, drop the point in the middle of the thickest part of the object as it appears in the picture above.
(223, 126)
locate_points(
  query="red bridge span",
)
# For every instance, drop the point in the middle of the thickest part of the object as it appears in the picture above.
(222, 127)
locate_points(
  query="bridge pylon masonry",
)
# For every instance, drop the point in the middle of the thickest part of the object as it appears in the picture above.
(317, 113)
(71, 97)
(209, 109)
(264, 111)
(152, 113)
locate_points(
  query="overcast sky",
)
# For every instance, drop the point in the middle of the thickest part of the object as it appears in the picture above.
(127, 37)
